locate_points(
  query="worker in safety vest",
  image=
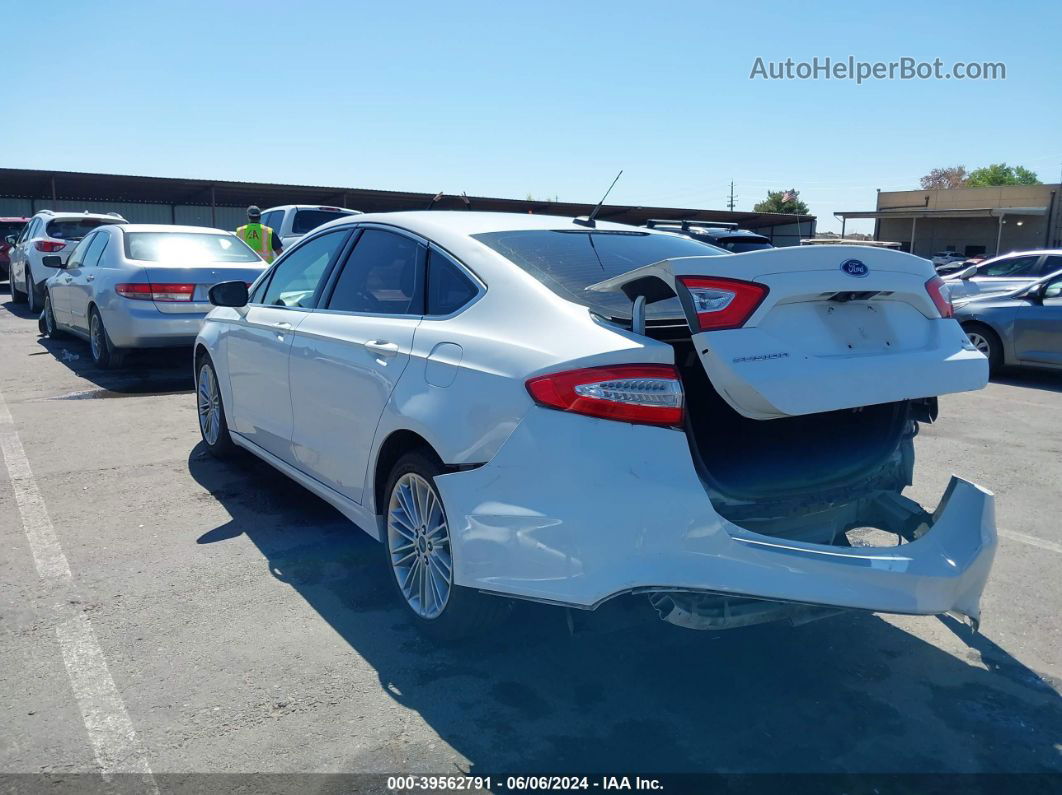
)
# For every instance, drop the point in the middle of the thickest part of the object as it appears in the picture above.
(263, 239)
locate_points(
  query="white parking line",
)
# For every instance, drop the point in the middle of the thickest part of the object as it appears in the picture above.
(1050, 546)
(114, 741)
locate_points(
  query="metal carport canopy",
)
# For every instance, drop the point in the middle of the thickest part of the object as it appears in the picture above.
(44, 185)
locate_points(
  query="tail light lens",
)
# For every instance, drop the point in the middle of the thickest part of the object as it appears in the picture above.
(48, 246)
(649, 394)
(941, 296)
(156, 292)
(723, 303)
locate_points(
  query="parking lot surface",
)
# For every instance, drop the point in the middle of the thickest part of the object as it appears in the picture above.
(219, 618)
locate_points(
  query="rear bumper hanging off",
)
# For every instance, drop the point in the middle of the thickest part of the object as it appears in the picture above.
(575, 511)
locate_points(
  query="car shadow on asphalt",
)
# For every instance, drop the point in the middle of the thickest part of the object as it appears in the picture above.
(853, 693)
(1046, 380)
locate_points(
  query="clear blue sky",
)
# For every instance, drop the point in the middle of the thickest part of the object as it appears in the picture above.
(506, 99)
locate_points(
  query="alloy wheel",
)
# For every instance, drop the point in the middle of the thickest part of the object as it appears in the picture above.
(96, 341)
(418, 540)
(980, 342)
(209, 405)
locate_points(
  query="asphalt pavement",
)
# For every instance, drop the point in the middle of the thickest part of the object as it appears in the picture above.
(215, 617)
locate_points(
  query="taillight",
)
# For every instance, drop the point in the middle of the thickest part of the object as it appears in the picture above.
(649, 394)
(48, 246)
(156, 292)
(723, 303)
(940, 295)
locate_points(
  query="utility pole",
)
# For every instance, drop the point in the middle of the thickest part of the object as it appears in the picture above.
(733, 199)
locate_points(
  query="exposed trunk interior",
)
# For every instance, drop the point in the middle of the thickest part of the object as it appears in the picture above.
(796, 476)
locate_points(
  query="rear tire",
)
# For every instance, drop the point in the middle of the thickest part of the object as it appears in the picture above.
(17, 296)
(987, 342)
(33, 297)
(211, 411)
(104, 354)
(418, 555)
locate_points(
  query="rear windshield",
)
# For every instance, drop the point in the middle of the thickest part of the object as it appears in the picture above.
(10, 228)
(186, 248)
(569, 261)
(739, 244)
(74, 228)
(307, 220)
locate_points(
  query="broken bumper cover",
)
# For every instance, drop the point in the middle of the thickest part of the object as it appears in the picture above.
(575, 511)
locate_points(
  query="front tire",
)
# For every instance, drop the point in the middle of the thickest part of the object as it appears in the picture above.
(212, 424)
(46, 322)
(104, 354)
(419, 557)
(987, 342)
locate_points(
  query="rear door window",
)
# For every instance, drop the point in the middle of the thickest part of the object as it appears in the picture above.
(1012, 266)
(273, 220)
(1051, 264)
(298, 276)
(383, 275)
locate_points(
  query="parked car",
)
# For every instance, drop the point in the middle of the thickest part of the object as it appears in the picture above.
(1022, 327)
(946, 258)
(1005, 273)
(140, 285)
(292, 221)
(10, 228)
(724, 235)
(48, 233)
(530, 406)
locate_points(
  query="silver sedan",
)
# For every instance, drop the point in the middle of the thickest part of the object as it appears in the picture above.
(1022, 327)
(131, 286)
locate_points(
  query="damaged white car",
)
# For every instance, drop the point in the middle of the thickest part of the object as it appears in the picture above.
(567, 410)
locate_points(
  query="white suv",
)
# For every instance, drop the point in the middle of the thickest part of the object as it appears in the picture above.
(48, 233)
(291, 221)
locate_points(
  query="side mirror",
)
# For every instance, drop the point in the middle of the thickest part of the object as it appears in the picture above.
(10, 239)
(52, 261)
(228, 294)
(966, 273)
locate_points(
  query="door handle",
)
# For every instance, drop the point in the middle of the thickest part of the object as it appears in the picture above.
(282, 325)
(382, 347)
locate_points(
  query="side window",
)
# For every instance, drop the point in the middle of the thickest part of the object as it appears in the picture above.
(78, 254)
(384, 274)
(33, 229)
(273, 219)
(95, 251)
(1051, 264)
(448, 287)
(295, 280)
(1012, 266)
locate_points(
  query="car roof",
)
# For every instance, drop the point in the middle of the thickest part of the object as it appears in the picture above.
(465, 222)
(1036, 252)
(66, 215)
(309, 207)
(11, 218)
(172, 228)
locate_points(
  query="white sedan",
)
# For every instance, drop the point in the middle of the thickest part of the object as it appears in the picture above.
(567, 411)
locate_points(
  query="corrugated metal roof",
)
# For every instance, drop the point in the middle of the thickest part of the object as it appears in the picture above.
(42, 185)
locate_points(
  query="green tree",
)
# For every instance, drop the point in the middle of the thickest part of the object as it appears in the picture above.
(782, 201)
(1001, 174)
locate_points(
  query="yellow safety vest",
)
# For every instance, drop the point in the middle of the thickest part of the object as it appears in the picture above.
(258, 237)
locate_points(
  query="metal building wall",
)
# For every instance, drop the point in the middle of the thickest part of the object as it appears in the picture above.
(134, 212)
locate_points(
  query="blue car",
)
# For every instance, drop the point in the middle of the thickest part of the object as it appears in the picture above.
(1022, 327)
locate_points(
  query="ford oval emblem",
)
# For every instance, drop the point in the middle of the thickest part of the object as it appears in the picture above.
(855, 267)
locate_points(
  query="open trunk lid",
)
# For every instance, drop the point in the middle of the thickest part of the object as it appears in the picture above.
(803, 330)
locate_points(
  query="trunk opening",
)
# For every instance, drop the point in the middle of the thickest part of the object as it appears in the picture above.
(810, 477)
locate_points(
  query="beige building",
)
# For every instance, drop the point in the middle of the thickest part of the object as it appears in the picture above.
(970, 221)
